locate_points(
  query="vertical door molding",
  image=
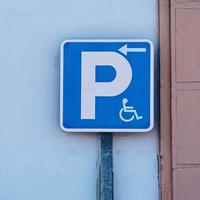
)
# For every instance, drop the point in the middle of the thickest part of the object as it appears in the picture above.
(165, 102)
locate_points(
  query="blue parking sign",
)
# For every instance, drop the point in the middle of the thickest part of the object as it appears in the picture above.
(107, 86)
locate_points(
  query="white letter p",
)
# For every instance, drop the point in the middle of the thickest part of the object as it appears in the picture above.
(90, 89)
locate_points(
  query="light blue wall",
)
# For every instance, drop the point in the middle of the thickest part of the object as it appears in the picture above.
(37, 160)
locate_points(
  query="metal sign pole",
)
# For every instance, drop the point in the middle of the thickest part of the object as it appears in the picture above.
(105, 167)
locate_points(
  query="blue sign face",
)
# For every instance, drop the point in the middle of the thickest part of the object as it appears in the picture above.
(106, 85)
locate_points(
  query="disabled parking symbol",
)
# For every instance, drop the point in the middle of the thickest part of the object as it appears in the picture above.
(128, 109)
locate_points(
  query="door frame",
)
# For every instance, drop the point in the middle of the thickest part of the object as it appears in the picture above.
(165, 102)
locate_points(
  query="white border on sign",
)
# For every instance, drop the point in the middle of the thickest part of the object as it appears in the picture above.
(106, 129)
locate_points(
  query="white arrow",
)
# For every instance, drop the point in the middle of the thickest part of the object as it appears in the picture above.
(125, 50)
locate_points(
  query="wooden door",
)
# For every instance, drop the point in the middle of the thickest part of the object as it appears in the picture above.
(180, 67)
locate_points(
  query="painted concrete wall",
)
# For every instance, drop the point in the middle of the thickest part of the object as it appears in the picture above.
(39, 161)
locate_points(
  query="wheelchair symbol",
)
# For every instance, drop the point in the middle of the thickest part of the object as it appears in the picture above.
(128, 109)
